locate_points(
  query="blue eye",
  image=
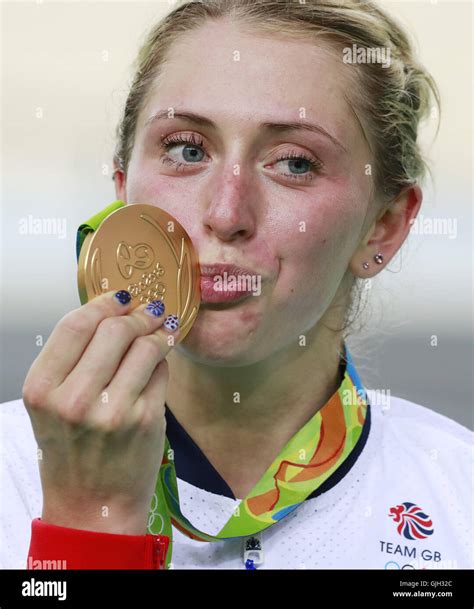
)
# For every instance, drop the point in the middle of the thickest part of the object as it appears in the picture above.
(302, 165)
(190, 151)
(296, 164)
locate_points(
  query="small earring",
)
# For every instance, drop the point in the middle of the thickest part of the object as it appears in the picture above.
(378, 258)
(366, 265)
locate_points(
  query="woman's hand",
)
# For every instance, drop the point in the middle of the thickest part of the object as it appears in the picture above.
(96, 396)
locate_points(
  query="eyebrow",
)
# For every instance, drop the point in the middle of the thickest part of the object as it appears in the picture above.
(283, 127)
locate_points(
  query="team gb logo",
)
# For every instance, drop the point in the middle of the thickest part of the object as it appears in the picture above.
(411, 521)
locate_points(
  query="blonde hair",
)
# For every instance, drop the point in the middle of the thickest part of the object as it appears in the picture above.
(391, 101)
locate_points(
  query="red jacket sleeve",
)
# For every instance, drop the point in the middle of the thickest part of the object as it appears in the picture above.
(68, 548)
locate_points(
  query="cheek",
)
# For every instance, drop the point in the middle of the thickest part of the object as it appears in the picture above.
(170, 194)
(315, 256)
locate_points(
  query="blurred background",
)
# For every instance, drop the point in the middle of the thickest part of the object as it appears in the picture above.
(65, 69)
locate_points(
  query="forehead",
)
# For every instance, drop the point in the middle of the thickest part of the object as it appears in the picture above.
(250, 76)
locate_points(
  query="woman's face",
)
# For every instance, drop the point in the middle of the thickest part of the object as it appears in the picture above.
(294, 223)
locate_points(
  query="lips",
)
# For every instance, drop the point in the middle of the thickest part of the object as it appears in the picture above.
(230, 289)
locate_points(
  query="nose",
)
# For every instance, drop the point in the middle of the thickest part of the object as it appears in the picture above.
(231, 207)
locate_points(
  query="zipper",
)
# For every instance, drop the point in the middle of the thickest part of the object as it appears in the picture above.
(159, 552)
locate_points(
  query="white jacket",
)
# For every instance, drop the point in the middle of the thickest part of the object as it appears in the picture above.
(413, 477)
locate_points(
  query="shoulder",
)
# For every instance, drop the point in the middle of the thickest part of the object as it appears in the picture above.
(419, 441)
(411, 422)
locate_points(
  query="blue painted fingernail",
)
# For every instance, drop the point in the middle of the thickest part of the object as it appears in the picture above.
(123, 296)
(156, 308)
(171, 322)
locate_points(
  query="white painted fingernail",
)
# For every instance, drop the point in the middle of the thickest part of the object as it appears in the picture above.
(171, 322)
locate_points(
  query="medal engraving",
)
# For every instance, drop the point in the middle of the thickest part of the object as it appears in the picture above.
(133, 250)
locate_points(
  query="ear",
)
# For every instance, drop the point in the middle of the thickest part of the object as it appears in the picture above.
(387, 234)
(120, 183)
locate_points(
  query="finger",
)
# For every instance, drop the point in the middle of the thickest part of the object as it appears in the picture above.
(71, 336)
(136, 370)
(150, 405)
(105, 351)
(147, 409)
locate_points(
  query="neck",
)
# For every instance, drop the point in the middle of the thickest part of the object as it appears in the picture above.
(241, 417)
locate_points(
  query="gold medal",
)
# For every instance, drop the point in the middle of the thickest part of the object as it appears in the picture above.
(146, 251)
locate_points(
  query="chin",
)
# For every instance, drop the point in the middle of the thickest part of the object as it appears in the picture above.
(222, 338)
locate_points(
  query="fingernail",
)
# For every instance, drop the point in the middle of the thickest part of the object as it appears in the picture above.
(123, 296)
(155, 308)
(171, 322)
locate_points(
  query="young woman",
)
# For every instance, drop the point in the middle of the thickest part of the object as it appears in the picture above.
(283, 137)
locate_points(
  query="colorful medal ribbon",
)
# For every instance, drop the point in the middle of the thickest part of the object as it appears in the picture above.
(308, 459)
(313, 454)
(93, 224)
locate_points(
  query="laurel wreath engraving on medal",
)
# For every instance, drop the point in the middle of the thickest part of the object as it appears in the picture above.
(184, 273)
(96, 271)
